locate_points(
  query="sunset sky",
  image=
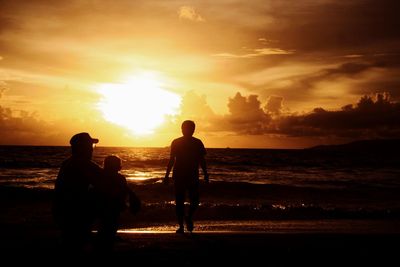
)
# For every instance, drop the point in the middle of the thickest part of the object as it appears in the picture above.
(267, 74)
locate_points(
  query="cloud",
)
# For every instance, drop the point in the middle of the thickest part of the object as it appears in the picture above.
(302, 84)
(333, 25)
(266, 51)
(246, 115)
(372, 117)
(274, 105)
(189, 13)
(21, 127)
(310, 53)
(195, 107)
(3, 88)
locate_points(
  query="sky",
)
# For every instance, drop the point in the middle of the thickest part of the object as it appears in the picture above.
(257, 74)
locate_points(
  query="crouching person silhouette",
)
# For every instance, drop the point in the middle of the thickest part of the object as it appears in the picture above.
(74, 201)
(187, 153)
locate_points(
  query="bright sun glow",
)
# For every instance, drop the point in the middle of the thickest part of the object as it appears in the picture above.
(139, 104)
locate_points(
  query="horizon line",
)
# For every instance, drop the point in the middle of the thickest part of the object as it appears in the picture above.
(227, 147)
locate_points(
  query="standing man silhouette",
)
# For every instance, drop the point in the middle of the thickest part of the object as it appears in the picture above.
(187, 153)
(74, 202)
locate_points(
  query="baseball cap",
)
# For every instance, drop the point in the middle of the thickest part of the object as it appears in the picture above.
(82, 138)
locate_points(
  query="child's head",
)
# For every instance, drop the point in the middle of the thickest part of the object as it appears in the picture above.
(112, 163)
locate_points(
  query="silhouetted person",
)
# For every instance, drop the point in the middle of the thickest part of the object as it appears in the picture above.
(73, 206)
(113, 193)
(187, 153)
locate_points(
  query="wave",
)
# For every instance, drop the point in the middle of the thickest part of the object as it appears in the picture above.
(237, 201)
(229, 201)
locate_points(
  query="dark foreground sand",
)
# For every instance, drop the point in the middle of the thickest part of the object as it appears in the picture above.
(28, 234)
(280, 246)
(202, 249)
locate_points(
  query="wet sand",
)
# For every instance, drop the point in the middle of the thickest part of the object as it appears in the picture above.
(28, 234)
(285, 243)
(223, 248)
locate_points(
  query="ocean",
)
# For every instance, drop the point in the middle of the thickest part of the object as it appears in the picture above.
(244, 182)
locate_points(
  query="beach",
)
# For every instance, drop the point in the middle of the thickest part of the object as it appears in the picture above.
(27, 228)
(262, 207)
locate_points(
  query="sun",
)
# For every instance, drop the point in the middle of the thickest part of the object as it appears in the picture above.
(139, 104)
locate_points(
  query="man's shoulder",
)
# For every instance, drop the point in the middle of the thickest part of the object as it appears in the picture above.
(95, 167)
(74, 163)
(184, 140)
(197, 141)
(179, 139)
(94, 164)
(122, 178)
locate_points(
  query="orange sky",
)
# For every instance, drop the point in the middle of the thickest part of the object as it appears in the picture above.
(249, 73)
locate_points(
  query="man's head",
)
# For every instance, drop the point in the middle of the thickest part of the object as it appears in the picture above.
(82, 145)
(188, 128)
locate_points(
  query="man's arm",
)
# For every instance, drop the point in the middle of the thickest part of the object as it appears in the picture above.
(170, 165)
(203, 166)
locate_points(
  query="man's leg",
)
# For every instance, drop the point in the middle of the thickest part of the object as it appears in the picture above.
(194, 204)
(180, 207)
(194, 200)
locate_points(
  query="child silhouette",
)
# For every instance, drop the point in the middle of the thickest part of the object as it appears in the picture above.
(113, 195)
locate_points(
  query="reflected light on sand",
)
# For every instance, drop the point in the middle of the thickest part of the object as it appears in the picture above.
(138, 176)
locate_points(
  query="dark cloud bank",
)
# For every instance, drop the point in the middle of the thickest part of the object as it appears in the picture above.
(373, 116)
(21, 127)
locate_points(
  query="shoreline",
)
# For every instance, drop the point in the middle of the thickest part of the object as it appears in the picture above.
(27, 228)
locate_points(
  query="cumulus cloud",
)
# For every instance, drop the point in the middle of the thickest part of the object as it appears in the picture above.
(372, 117)
(22, 127)
(274, 105)
(246, 115)
(189, 13)
(195, 107)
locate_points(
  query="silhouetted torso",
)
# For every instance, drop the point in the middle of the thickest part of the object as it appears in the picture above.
(187, 151)
(113, 190)
(76, 179)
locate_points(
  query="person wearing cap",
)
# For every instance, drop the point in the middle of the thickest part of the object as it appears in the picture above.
(74, 203)
(187, 154)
